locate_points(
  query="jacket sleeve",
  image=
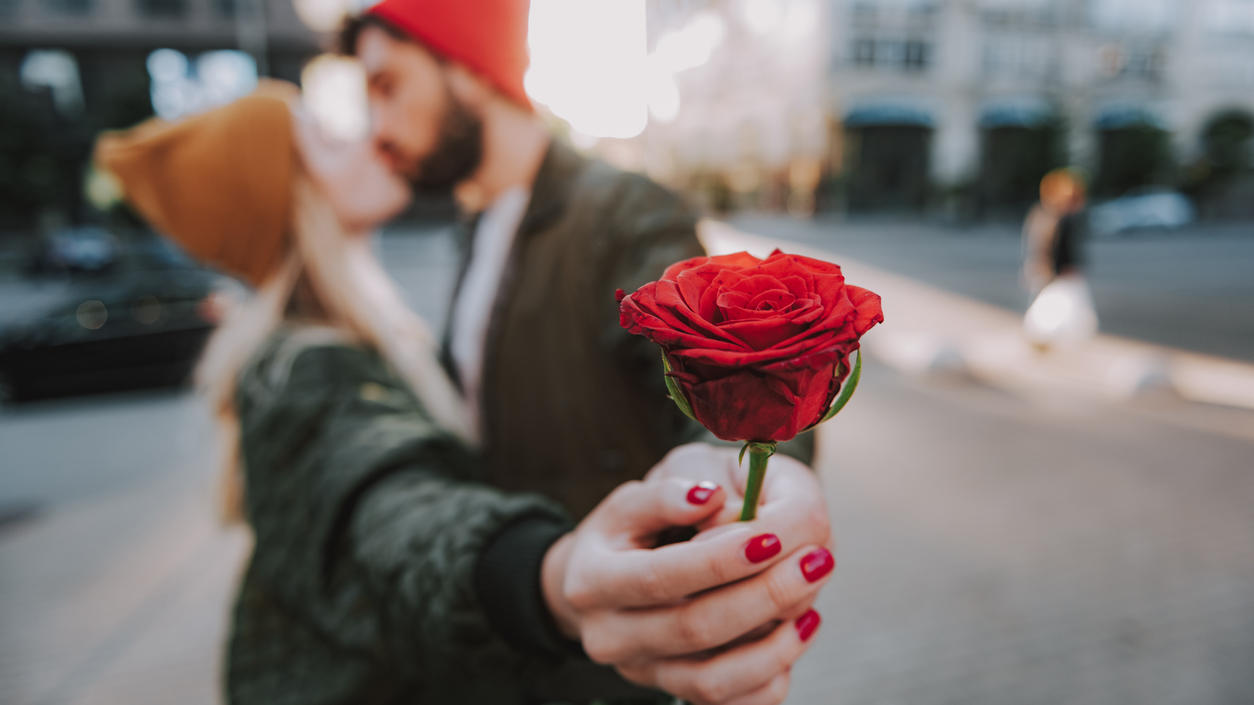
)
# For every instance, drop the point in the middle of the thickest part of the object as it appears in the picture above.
(368, 523)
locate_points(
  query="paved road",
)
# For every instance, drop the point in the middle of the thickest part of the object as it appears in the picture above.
(1191, 289)
(993, 548)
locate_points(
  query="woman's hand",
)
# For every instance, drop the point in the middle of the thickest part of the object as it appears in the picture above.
(718, 619)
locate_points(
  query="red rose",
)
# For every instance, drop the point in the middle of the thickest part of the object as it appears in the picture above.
(758, 347)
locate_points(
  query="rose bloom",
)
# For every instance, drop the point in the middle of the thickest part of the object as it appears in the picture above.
(759, 347)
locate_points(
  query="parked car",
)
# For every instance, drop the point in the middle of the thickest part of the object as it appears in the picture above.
(1159, 209)
(81, 250)
(142, 325)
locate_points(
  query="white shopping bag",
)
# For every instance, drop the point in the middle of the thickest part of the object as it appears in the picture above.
(1063, 312)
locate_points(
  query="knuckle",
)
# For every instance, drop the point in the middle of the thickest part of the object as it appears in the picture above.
(777, 691)
(708, 687)
(780, 660)
(694, 630)
(625, 491)
(672, 678)
(651, 585)
(778, 589)
(717, 567)
(579, 592)
(601, 646)
(637, 673)
(821, 524)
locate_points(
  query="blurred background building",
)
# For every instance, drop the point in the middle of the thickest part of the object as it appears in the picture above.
(951, 108)
(956, 106)
(71, 68)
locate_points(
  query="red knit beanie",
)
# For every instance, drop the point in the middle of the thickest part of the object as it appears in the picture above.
(487, 36)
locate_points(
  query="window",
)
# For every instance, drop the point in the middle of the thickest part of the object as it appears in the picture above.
(889, 52)
(864, 14)
(1146, 63)
(917, 55)
(162, 8)
(864, 52)
(905, 55)
(1137, 16)
(998, 17)
(922, 13)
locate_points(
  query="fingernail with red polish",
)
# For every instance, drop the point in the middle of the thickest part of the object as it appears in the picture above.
(762, 547)
(807, 623)
(816, 564)
(702, 492)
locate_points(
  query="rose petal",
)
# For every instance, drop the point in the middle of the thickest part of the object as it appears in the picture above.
(869, 308)
(749, 404)
(799, 344)
(667, 299)
(762, 333)
(734, 260)
(639, 313)
(796, 284)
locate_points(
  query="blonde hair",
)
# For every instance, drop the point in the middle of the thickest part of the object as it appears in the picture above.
(361, 303)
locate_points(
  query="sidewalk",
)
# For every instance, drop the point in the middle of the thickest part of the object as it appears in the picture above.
(118, 600)
(929, 330)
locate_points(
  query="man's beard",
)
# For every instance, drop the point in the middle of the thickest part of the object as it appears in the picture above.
(457, 153)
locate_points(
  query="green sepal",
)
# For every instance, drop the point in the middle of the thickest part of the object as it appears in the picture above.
(846, 390)
(676, 394)
(767, 447)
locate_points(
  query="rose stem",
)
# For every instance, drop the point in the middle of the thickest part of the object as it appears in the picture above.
(759, 454)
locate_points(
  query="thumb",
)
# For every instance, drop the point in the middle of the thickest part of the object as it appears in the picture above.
(640, 509)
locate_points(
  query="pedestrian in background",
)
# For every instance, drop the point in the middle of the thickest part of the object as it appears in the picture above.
(1062, 307)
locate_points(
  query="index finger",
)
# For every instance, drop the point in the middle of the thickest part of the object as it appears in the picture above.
(672, 573)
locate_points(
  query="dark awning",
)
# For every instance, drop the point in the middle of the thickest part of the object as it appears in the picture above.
(888, 112)
(1019, 111)
(1120, 115)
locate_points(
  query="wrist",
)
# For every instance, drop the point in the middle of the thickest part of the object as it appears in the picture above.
(552, 586)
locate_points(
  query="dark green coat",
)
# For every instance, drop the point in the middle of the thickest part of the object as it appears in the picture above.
(368, 527)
